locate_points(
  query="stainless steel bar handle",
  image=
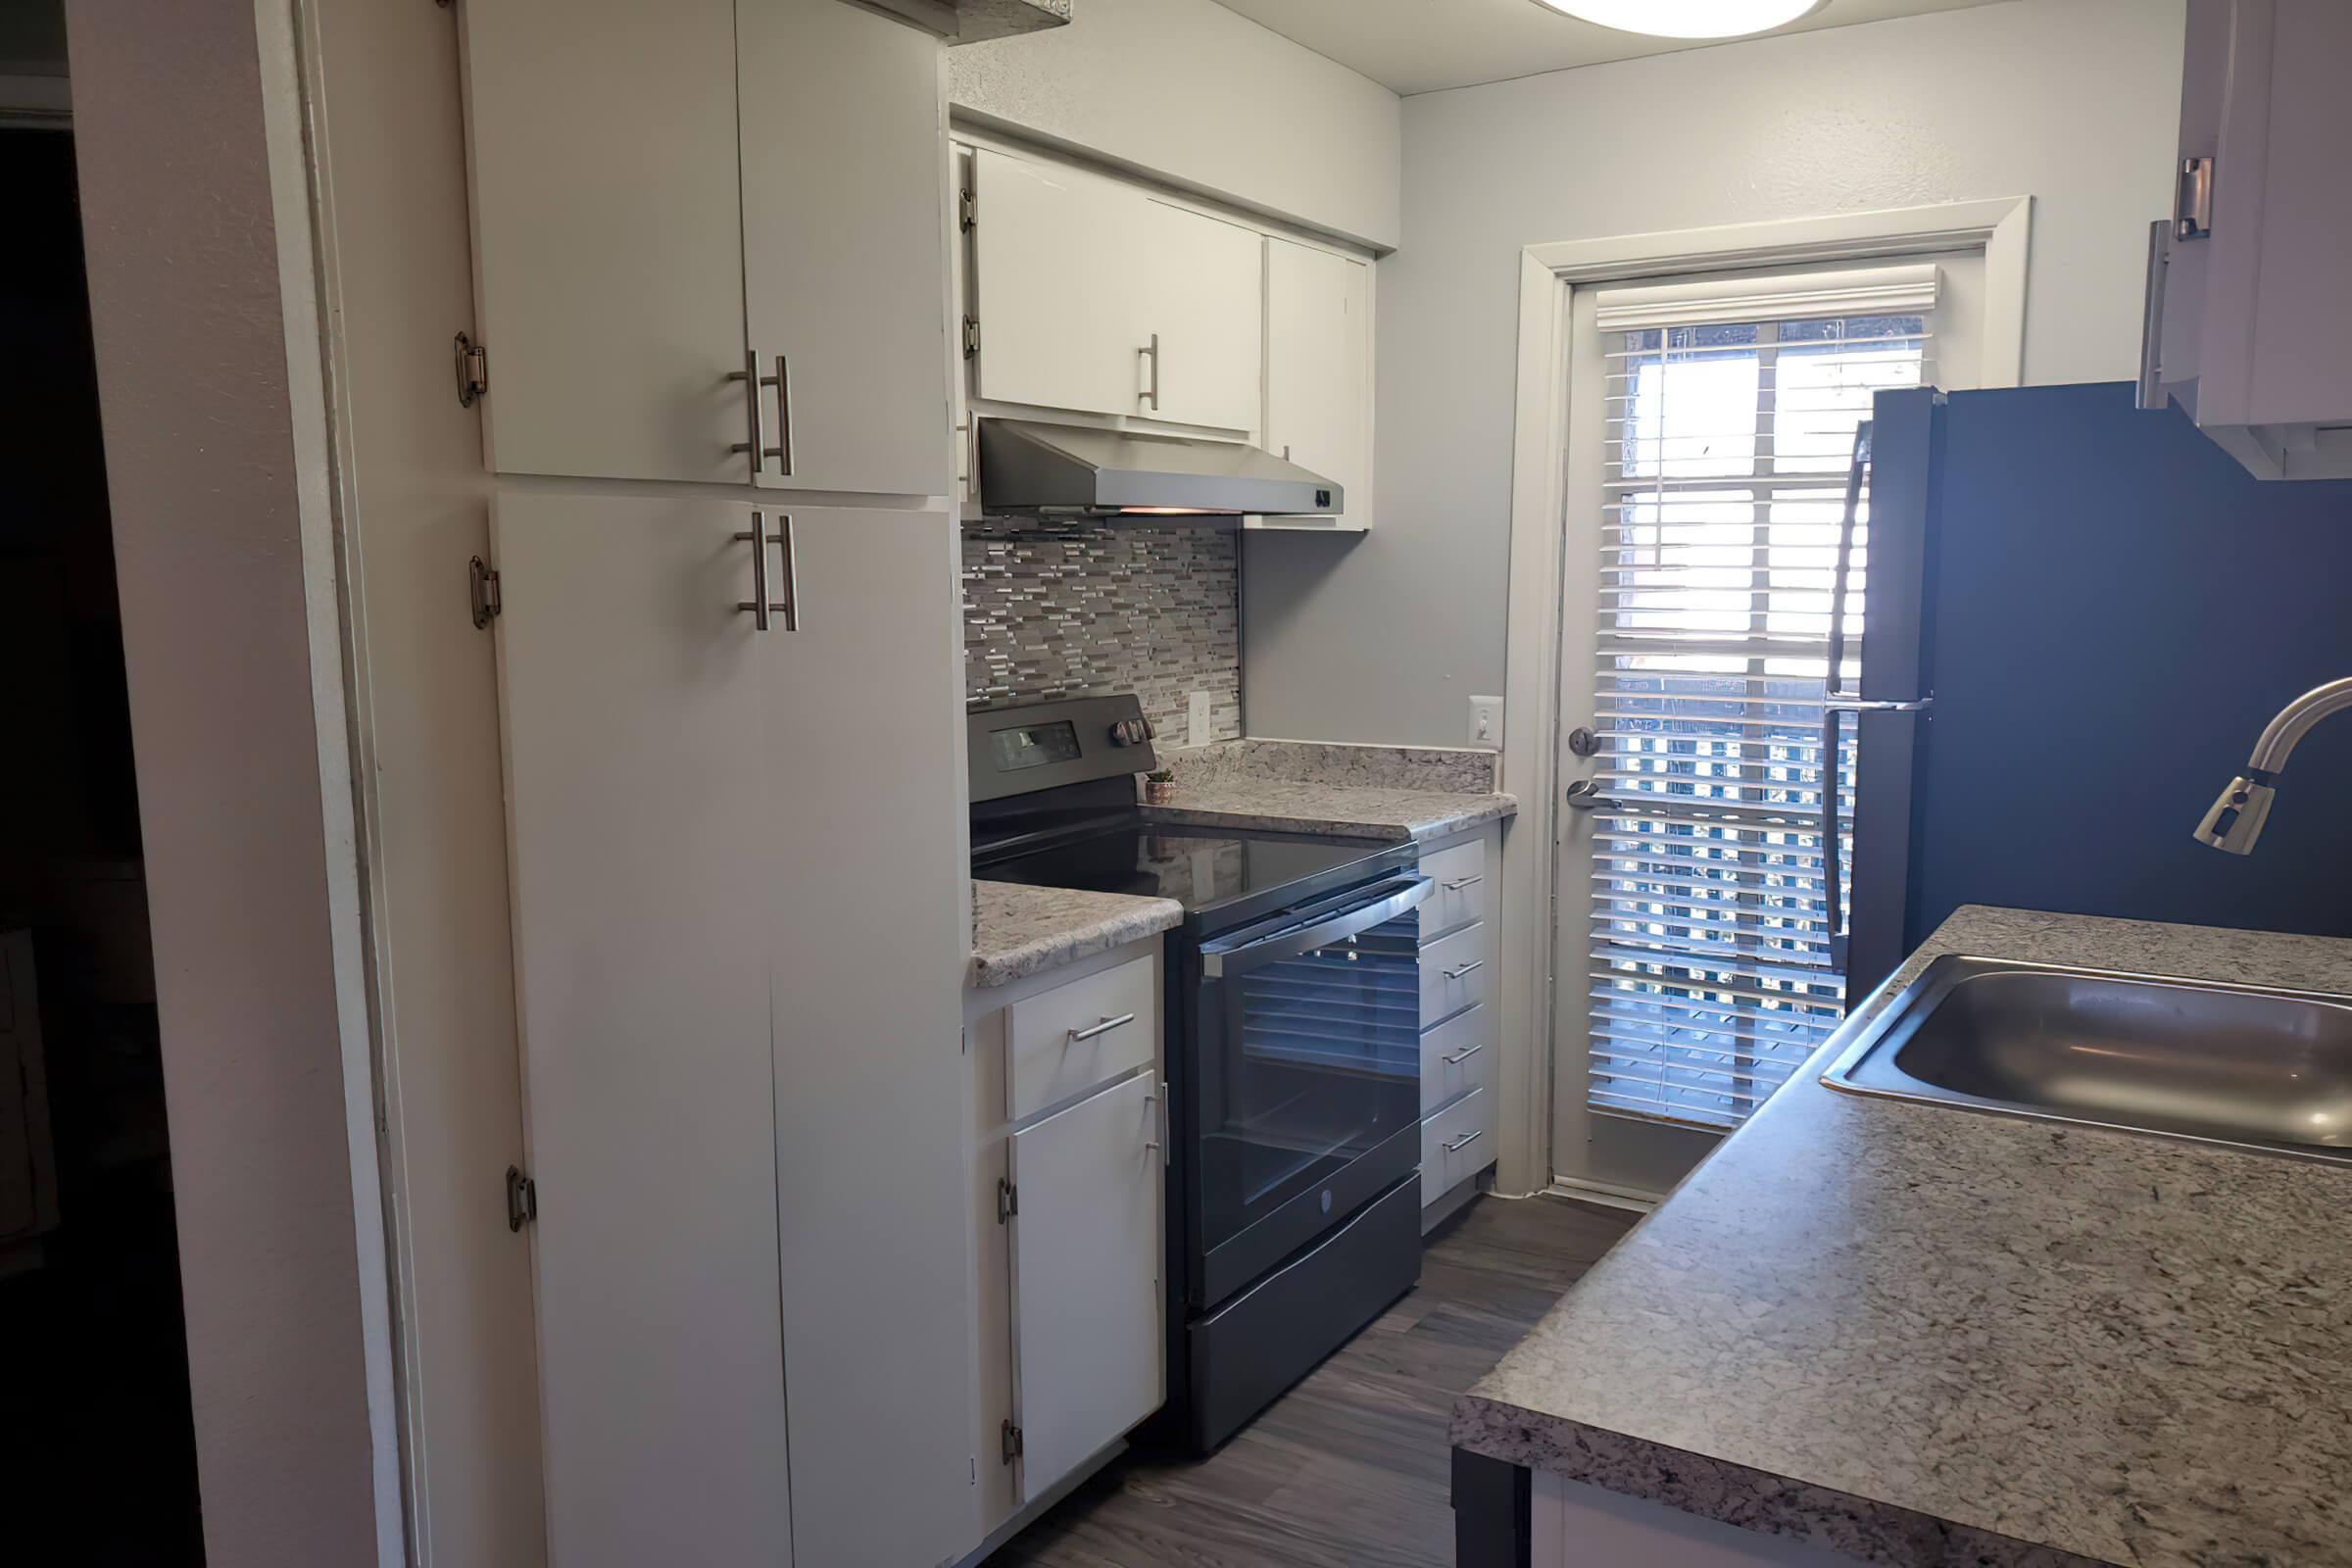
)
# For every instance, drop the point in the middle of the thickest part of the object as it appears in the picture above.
(790, 605)
(1103, 1028)
(757, 540)
(1832, 702)
(1461, 882)
(2151, 322)
(1159, 1121)
(756, 446)
(1474, 963)
(1152, 352)
(1464, 1054)
(782, 382)
(1878, 705)
(1465, 1141)
(1236, 961)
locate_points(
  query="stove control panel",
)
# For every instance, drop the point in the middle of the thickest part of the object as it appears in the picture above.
(1019, 751)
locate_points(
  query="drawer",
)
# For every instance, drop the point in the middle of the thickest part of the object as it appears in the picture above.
(1456, 1055)
(1065, 1041)
(1460, 898)
(1454, 972)
(1457, 1142)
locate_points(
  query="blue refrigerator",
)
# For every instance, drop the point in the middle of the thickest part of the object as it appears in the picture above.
(2105, 610)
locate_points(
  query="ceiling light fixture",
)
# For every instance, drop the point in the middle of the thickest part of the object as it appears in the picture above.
(1688, 19)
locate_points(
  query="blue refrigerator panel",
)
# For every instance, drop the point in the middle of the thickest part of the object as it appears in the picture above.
(2110, 610)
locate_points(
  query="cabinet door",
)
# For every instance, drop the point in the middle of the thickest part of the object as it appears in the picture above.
(1087, 1302)
(844, 236)
(607, 236)
(638, 806)
(1054, 256)
(864, 821)
(1318, 367)
(1203, 291)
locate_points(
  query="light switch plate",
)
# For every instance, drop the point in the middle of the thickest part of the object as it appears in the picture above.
(1486, 722)
(1197, 720)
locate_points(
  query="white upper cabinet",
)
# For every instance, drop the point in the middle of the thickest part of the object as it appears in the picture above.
(2248, 329)
(1320, 369)
(1093, 296)
(845, 245)
(1197, 318)
(607, 235)
(640, 172)
(1052, 286)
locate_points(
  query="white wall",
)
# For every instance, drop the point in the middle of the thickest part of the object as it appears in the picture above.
(1194, 95)
(2072, 102)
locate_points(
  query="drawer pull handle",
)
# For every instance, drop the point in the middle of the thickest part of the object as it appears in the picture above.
(1464, 1054)
(1465, 1141)
(1461, 882)
(1474, 963)
(1103, 1028)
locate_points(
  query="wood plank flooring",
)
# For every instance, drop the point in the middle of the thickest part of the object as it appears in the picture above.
(1349, 1468)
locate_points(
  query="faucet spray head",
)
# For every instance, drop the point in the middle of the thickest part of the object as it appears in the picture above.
(2235, 820)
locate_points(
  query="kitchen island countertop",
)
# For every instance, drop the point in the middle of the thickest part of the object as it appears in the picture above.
(1921, 1336)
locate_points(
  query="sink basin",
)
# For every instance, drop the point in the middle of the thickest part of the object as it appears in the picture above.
(2261, 1069)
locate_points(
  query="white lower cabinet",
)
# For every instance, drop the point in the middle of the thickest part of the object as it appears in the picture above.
(738, 958)
(1085, 1297)
(1460, 1038)
(1069, 1159)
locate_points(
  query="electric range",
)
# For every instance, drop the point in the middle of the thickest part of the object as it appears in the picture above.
(1291, 1040)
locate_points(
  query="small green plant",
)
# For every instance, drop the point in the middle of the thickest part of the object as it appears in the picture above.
(1160, 776)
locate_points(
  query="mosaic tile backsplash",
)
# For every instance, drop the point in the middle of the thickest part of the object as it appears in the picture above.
(1087, 611)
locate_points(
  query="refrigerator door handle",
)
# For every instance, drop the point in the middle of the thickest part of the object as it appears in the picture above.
(1834, 700)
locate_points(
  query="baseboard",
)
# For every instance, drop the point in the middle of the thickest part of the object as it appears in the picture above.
(1631, 1199)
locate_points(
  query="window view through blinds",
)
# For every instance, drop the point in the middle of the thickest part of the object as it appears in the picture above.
(1728, 446)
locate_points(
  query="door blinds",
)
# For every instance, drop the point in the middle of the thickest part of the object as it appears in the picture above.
(1731, 412)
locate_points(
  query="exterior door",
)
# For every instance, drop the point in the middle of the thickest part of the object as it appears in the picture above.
(640, 804)
(1085, 1257)
(862, 830)
(844, 246)
(607, 236)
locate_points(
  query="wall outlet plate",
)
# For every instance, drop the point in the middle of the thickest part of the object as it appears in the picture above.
(1197, 719)
(1486, 722)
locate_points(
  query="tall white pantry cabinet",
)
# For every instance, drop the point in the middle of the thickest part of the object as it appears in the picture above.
(710, 247)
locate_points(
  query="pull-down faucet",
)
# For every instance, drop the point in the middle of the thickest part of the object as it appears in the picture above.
(2237, 818)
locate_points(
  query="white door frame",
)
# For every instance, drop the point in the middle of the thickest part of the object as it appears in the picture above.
(1539, 560)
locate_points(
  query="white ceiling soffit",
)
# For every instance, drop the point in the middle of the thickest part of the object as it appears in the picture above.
(1423, 45)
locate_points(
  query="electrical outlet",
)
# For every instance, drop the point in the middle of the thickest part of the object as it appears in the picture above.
(1486, 722)
(1195, 732)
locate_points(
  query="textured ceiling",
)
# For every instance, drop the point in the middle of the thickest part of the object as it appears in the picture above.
(1423, 45)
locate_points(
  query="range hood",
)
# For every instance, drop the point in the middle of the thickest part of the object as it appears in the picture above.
(1029, 469)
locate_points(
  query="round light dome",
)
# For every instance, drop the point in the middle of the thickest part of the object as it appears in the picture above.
(1688, 19)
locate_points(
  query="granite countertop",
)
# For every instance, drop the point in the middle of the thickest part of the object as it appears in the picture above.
(1922, 1336)
(1346, 811)
(1024, 930)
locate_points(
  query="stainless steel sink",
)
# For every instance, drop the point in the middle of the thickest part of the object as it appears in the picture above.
(2263, 1069)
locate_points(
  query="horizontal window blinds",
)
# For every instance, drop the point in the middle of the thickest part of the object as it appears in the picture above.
(1731, 408)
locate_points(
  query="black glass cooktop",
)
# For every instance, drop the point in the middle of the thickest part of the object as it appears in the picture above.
(1201, 872)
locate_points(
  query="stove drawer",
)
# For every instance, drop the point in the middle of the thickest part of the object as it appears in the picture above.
(1065, 1041)
(1454, 972)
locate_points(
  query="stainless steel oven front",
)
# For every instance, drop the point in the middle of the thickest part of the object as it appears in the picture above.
(1304, 1099)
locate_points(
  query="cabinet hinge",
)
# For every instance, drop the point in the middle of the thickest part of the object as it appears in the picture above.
(474, 371)
(481, 588)
(971, 336)
(1008, 1200)
(522, 1198)
(2193, 199)
(967, 209)
(1012, 1439)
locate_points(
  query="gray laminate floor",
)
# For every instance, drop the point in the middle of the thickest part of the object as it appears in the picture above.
(1349, 1469)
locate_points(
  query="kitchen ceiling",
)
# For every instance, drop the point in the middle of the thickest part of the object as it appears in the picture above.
(1423, 45)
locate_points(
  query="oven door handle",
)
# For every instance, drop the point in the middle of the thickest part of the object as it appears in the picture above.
(1289, 943)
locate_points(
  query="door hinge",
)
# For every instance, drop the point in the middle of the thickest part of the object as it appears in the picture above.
(967, 209)
(1011, 1436)
(1008, 1200)
(481, 588)
(522, 1198)
(2193, 199)
(971, 336)
(474, 371)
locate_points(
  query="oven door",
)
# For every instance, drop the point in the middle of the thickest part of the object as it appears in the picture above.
(1306, 1094)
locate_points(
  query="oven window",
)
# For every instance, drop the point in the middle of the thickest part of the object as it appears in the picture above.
(1320, 1061)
